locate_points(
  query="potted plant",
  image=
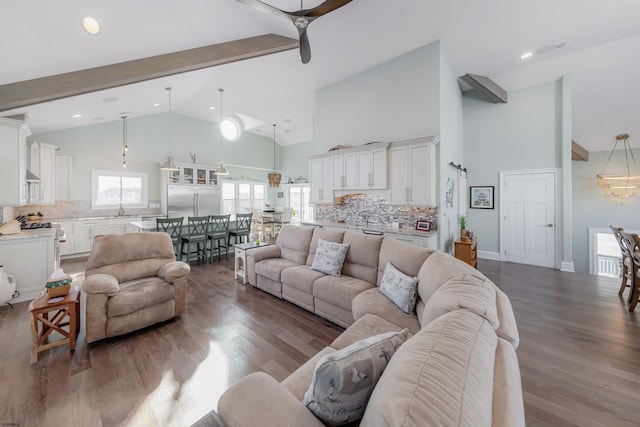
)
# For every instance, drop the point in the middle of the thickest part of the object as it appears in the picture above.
(462, 221)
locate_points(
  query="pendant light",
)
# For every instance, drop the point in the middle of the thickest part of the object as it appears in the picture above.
(169, 164)
(621, 187)
(221, 170)
(274, 177)
(125, 147)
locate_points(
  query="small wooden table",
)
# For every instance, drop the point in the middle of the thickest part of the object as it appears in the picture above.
(241, 255)
(467, 251)
(67, 313)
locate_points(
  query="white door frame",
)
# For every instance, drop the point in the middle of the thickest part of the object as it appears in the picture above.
(557, 215)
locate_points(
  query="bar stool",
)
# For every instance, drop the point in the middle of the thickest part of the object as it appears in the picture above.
(243, 228)
(173, 227)
(218, 235)
(198, 233)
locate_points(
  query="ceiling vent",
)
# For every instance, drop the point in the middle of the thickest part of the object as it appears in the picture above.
(483, 86)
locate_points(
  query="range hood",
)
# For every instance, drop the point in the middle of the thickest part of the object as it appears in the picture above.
(31, 177)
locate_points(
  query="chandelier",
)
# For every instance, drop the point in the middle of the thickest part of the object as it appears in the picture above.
(621, 187)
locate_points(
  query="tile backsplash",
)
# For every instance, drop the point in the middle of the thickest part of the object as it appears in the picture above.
(80, 209)
(367, 209)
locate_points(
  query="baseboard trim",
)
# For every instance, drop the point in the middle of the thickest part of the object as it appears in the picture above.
(567, 266)
(489, 255)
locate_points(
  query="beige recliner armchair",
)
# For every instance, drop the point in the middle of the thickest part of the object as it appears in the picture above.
(132, 281)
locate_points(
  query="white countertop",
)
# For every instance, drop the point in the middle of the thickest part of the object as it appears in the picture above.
(373, 227)
(29, 234)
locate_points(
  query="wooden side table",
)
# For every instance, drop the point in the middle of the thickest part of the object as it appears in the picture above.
(241, 259)
(65, 313)
(467, 251)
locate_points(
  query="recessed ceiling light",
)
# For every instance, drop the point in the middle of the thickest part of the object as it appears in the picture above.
(212, 108)
(157, 104)
(526, 55)
(76, 116)
(110, 99)
(91, 25)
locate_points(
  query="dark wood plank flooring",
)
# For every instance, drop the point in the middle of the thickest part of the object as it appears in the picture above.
(579, 354)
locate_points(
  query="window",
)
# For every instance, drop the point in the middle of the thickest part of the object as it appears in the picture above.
(299, 201)
(110, 189)
(238, 196)
(605, 255)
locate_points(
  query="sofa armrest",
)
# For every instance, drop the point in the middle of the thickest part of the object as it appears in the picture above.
(259, 400)
(259, 254)
(101, 284)
(172, 271)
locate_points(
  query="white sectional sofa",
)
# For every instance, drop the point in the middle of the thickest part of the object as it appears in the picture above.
(458, 367)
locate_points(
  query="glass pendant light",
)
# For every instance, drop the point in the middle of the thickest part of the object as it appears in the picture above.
(221, 170)
(125, 147)
(169, 164)
(274, 177)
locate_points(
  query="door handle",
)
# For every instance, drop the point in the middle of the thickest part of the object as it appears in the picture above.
(549, 225)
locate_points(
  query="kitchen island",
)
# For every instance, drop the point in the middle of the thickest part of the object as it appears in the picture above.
(30, 257)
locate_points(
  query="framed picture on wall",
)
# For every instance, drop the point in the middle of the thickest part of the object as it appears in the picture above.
(481, 197)
(423, 225)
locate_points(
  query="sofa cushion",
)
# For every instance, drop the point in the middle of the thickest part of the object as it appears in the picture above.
(339, 291)
(301, 277)
(362, 257)
(324, 234)
(404, 256)
(442, 376)
(373, 302)
(343, 381)
(438, 268)
(293, 242)
(272, 268)
(508, 328)
(508, 406)
(330, 257)
(399, 288)
(136, 294)
(365, 327)
(298, 382)
(468, 292)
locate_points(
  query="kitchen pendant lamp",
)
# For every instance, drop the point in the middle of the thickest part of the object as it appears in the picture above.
(274, 177)
(125, 147)
(169, 164)
(621, 187)
(221, 170)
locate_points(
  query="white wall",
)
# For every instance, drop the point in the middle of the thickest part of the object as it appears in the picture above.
(394, 101)
(295, 160)
(592, 208)
(524, 133)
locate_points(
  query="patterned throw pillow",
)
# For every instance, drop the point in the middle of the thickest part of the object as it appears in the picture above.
(330, 257)
(343, 381)
(401, 289)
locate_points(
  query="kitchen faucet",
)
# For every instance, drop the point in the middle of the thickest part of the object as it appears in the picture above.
(121, 211)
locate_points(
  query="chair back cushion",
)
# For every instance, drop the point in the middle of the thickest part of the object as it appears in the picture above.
(294, 242)
(362, 257)
(405, 257)
(130, 256)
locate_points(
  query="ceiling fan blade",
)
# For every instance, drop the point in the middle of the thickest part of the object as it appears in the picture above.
(326, 7)
(305, 49)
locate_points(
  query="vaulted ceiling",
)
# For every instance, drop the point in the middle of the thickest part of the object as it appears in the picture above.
(596, 42)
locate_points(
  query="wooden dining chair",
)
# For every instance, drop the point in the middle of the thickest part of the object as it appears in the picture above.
(284, 218)
(173, 227)
(198, 231)
(262, 223)
(218, 236)
(632, 241)
(243, 228)
(627, 266)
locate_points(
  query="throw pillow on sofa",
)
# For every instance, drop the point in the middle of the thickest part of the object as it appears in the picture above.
(344, 380)
(401, 289)
(330, 257)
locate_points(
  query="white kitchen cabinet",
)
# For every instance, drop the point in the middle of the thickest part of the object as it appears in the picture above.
(190, 173)
(85, 232)
(412, 177)
(13, 162)
(120, 225)
(63, 177)
(345, 171)
(372, 168)
(430, 242)
(42, 162)
(321, 179)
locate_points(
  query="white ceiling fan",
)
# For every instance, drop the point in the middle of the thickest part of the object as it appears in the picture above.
(300, 18)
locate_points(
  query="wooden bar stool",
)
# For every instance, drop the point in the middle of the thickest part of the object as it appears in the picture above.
(65, 313)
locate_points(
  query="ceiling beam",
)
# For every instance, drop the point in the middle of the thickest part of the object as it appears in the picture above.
(50, 88)
(486, 88)
(578, 152)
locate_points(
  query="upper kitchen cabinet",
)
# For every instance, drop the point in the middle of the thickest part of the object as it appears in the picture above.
(197, 174)
(345, 171)
(372, 167)
(42, 163)
(413, 172)
(321, 179)
(13, 162)
(63, 181)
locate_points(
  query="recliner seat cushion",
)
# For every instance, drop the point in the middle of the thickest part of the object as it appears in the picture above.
(373, 302)
(362, 257)
(137, 294)
(339, 291)
(272, 268)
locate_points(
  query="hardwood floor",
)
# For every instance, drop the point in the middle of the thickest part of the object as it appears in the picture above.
(579, 354)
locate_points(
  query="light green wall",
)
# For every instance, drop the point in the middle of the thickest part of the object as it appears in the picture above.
(100, 147)
(394, 101)
(295, 160)
(592, 208)
(521, 134)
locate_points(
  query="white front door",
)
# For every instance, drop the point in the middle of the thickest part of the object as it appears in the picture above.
(528, 212)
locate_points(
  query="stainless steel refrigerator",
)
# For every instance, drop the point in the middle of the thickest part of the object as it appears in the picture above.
(192, 200)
